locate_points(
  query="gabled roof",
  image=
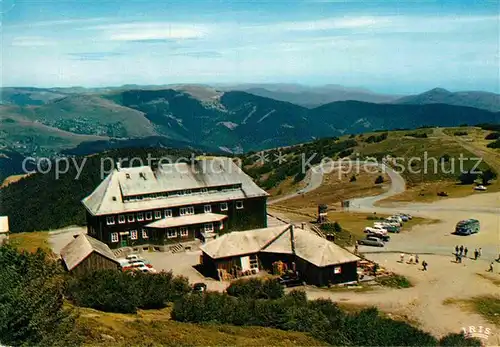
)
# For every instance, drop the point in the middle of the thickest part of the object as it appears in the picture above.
(241, 242)
(107, 198)
(307, 245)
(81, 247)
(319, 251)
(171, 222)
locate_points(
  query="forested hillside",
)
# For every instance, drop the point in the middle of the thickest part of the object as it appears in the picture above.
(43, 201)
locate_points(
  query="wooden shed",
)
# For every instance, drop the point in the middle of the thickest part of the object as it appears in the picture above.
(318, 261)
(85, 254)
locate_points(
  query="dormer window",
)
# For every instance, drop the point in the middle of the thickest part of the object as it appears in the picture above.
(127, 175)
(110, 220)
(142, 175)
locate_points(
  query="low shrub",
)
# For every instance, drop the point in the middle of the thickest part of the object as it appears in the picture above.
(379, 180)
(323, 319)
(494, 144)
(256, 288)
(125, 292)
(417, 135)
(460, 133)
(492, 136)
(395, 281)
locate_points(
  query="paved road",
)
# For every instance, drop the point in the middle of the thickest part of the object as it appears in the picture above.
(314, 179)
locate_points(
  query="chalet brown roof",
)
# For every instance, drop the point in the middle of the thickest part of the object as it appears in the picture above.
(241, 242)
(307, 245)
(81, 247)
(171, 222)
(108, 197)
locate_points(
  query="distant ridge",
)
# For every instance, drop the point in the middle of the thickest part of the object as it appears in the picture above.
(478, 99)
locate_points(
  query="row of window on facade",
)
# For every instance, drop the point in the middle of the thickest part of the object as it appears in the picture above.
(171, 233)
(181, 193)
(183, 211)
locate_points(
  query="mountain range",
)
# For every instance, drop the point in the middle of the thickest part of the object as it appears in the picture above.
(48, 121)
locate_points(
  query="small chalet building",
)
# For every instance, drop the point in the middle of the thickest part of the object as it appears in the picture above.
(85, 254)
(174, 203)
(4, 229)
(318, 261)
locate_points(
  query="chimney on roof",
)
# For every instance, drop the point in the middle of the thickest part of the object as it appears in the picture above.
(292, 239)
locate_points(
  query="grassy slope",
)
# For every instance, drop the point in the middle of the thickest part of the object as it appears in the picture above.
(421, 187)
(30, 242)
(154, 327)
(87, 114)
(487, 306)
(27, 136)
(425, 187)
(337, 187)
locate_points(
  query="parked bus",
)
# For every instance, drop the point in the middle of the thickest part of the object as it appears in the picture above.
(467, 227)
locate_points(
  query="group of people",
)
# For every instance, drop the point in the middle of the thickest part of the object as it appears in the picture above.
(461, 252)
(413, 259)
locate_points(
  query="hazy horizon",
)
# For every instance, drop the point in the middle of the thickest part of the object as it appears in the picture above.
(391, 47)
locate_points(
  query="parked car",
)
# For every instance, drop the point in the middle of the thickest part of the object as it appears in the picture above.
(393, 229)
(390, 227)
(399, 221)
(140, 261)
(199, 287)
(375, 230)
(480, 188)
(403, 217)
(385, 238)
(291, 281)
(371, 241)
(407, 215)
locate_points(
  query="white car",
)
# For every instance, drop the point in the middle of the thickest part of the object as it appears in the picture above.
(480, 187)
(385, 224)
(375, 230)
(132, 257)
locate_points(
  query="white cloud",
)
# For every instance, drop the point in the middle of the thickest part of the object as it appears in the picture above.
(395, 24)
(150, 31)
(32, 41)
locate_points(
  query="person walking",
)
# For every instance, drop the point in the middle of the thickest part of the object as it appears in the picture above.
(466, 251)
(416, 258)
(476, 253)
(402, 257)
(461, 250)
(424, 265)
(491, 267)
(480, 252)
(456, 249)
(459, 258)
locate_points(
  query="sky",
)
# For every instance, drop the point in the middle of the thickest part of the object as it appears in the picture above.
(388, 46)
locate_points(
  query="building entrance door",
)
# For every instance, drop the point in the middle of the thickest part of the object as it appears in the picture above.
(123, 242)
(245, 263)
